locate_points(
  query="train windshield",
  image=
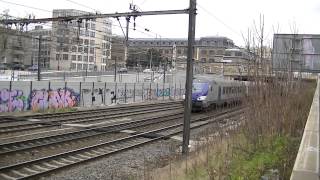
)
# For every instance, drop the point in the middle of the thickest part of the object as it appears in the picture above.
(200, 87)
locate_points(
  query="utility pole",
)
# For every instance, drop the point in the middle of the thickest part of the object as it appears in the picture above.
(189, 77)
(150, 60)
(39, 57)
(126, 40)
(164, 71)
(115, 69)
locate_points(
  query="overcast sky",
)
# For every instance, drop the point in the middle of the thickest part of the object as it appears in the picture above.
(230, 18)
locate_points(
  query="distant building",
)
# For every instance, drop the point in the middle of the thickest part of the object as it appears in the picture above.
(80, 45)
(207, 49)
(15, 47)
(296, 52)
(236, 56)
(117, 52)
(46, 54)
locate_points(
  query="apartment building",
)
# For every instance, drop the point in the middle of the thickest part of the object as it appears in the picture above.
(82, 44)
(15, 48)
(45, 49)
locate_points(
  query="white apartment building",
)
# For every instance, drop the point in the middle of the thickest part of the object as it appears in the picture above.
(80, 44)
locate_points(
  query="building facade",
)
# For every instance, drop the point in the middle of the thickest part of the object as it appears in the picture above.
(45, 49)
(15, 48)
(207, 49)
(80, 45)
(296, 53)
(117, 52)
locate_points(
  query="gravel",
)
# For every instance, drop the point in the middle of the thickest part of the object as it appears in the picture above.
(132, 164)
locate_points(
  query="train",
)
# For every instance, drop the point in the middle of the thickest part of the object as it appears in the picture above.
(213, 92)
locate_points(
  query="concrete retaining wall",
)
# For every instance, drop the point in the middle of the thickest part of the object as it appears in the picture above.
(18, 96)
(307, 162)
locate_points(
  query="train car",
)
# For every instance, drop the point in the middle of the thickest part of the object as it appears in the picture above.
(209, 91)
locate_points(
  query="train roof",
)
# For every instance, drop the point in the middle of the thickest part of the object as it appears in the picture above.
(213, 79)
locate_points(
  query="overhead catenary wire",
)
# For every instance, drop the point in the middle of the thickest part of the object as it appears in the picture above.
(219, 20)
(27, 6)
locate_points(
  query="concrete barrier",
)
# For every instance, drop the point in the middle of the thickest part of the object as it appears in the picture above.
(18, 96)
(307, 162)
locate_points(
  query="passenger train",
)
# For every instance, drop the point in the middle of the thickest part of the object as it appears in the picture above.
(211, 91)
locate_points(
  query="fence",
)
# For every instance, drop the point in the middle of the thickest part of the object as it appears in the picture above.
(18, 96)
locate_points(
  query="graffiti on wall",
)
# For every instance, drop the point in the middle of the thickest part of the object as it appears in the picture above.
(163, 92)
(11, 101)
(53, 99)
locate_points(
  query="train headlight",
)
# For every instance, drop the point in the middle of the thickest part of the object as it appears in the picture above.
(201, 98)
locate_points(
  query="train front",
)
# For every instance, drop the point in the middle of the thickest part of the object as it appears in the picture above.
(199, 95)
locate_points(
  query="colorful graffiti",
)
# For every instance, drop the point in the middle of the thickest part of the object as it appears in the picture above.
(11, 101)
(53, 99)
(39, 99)
(163, 92)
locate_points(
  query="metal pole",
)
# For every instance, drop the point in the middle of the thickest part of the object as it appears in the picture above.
(126, 40)
(39, 57)
(115, 69)
(189, 75)
(125, 92)
(151, 59)
(164, 72)
(134, 92)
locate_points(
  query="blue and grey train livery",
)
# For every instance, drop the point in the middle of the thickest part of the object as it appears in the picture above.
(208, 91)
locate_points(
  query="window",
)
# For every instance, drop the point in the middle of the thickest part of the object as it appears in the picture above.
(92, 34)
(79, 58)
(85, 50)
(220, 52)
(86, 41)
(73, 57)
(74, 49)
(227, 53)
(91, 58)
(203, 52)
(212, 52)
(87, 25)
(211, 60)
(166, 51)
(85, 58)
(238, 53)
(65, 57)
(73, 65)
(58, 57)
(179, 51)
(203, 59)
(93, 26)
(80, 49)
(82, 32)
(91, 50)
(66, 49)
(92, 42)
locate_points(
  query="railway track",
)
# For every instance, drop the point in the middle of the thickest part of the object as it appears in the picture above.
(103, 115)
(100, 110)
(17, 146)
(42, 166)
